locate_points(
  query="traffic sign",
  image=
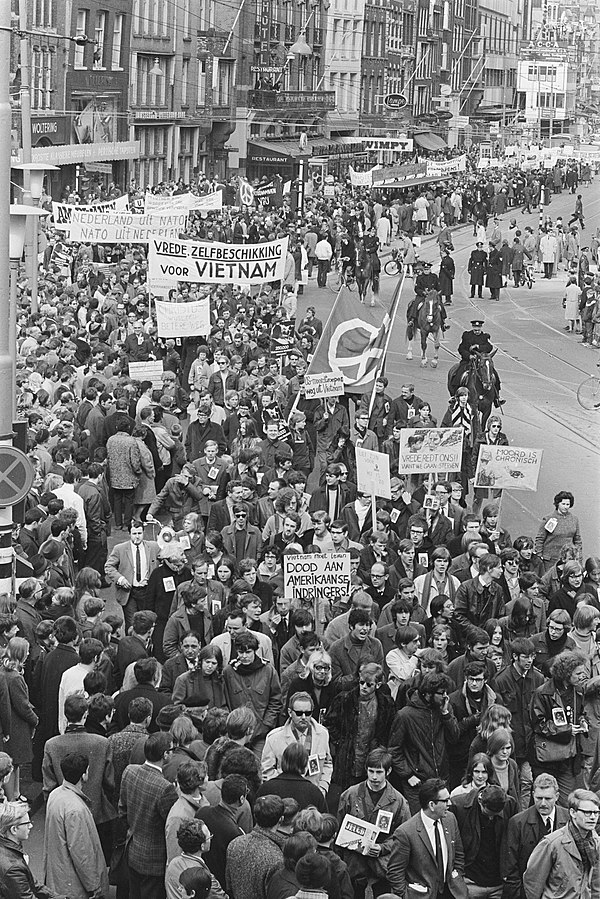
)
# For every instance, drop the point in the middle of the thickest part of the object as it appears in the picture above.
(395, 101)
(16, 476)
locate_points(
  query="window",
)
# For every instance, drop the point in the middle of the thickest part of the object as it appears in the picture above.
(185, 74)
(135, 17)
(100, 38)
(117, 41)
(82, 21)
(224, 82)
(42, 13)
(201, 96)
(186, 19)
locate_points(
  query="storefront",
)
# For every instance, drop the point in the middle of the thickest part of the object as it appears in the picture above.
(328, 156)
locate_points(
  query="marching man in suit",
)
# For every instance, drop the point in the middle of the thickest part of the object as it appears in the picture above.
(128, 567)
(427, 859)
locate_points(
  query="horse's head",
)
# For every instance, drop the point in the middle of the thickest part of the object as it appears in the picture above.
(485, 370)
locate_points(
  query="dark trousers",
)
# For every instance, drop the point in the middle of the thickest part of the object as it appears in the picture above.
(146, 886)
(323, 268)
(137, 597)
(123, 506)
(479, 290)
(548, 266)
(96, 555)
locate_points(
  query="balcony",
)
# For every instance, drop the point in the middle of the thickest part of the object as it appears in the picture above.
(308, 100)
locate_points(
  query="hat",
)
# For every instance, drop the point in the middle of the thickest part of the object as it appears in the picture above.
(38, 564)
(312, 871)
(167, 715)
(493, 798)
(176, 430)
(477, 322)
(479, 243)
(52, 550)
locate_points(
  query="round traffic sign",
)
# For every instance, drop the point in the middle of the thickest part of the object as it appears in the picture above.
(16, 476)
(395, 101)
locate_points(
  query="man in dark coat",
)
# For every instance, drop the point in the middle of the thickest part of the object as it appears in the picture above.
(200, 432)
(221, 820)
(527, 829)
(54, 665)
(474, 341)
(494, 273)
(482, 819)
(477, 268)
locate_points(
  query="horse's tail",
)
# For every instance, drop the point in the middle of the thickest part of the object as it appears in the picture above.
(375, 283)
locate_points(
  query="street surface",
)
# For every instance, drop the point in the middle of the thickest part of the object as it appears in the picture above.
(540, 365)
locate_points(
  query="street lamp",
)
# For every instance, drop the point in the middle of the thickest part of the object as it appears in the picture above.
(37, 172)
(19, 214)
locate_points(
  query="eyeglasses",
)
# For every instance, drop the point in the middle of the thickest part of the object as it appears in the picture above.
(378, 576)
(240, 515)
(589, 812)
(302, 713)
(475, 680)
(322, 667)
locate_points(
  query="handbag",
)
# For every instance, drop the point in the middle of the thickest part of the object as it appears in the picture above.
(551, 751)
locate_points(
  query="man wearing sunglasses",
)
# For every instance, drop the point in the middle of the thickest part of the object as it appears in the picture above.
(241, 540)
(302, 728)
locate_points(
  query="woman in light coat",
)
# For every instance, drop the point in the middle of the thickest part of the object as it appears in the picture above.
(145, 492)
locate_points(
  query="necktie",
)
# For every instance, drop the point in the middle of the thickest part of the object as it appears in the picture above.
(547, 826)
(138, 564)
(439, 856)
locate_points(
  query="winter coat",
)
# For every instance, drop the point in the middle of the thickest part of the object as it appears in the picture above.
(341, 721)
(418, 740)
(145, 492)
(124, 461)
(555, 869)
(516, 694)
(23, 719)
(73, 858)
(16, 879)
(99, 787)
(259, 689)
(494, 270)
(357, 801)
(447, 273)
(549, 544)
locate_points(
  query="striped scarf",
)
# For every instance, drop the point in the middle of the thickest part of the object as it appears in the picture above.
(462, 418)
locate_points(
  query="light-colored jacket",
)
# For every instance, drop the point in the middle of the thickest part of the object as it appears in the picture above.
(281, 737)
(73, 859)
(265, 646)
(555, 869)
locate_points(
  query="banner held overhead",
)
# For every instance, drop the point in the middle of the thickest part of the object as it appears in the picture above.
(215, 263)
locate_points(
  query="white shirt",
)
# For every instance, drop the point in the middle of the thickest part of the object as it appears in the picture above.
(361, 512)
(551, 817)
(72, 500)
(430, 828)
(144, 565)
(71, 682)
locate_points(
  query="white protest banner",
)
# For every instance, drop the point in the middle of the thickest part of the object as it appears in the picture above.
(360, 179)
(215, 263)
(440, 168)
(330, 383)
(183, 319)
(125, 227)
(189, 201)
(427, 450)
(316, 576)
(147, 371)
(373, 471)
(62, 212)
(511, 467)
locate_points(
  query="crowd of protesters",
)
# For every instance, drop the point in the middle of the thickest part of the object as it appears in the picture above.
(197, 733)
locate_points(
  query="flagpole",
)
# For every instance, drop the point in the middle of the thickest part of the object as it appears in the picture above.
(393, 311)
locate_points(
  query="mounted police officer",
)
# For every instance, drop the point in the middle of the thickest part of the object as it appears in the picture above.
(471, 343)
(426, 280)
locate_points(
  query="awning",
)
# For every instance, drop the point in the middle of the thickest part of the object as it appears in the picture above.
(261, 150)
(430, 141)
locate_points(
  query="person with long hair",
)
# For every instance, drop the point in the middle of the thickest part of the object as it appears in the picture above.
(553, 640)
(571, 590)
(87, 584)
(506, 772)
(520, 621)
(492, 718)
(213, 551)
(591, 579)
(479, 774)
(559, 722)
(23, 719)
(202, 686)
(494, 630)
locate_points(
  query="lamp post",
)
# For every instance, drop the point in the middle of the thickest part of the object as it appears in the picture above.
(36, 171)
(19, 214)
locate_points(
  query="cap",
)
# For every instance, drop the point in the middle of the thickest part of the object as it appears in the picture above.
(477, 322)
(426, 264)
(167, 715)
(479, 243)
(52, 550)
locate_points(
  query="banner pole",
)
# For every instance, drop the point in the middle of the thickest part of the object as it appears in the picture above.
(393, 311)
(373, 513)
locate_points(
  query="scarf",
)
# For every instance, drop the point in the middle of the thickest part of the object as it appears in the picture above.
(555, 646)
(462, 417)
(585, 846)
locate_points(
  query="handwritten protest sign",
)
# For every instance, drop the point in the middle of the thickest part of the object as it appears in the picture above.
(427, 450)
(329, 383)
(373, 471)
(316, 576)
(125, 227)
(189, 201)
(508, 467)
(170, 261)
(147, 371)
(62, 212)
(183, 319)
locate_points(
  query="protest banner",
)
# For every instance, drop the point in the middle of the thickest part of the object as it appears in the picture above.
(373, 472)
(62, 212)
(183, 319)
(360, 179)
(125, 227)
(508, 467)
(401, 172)
(330, 383)
(271, 193)
(215, 263)
(187, 201)
(427, 450)
(442, 167)
(316, 576)
(147, 371)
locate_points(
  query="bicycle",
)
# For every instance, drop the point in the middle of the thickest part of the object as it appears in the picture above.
(341, 277)
(528, 276)
(394, 266)
(588, 393)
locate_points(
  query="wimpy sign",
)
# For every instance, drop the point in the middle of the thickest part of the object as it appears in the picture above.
(215, 263)
(316, 576)
(121, 227)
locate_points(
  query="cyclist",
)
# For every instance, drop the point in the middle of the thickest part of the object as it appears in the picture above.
(347, 255)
